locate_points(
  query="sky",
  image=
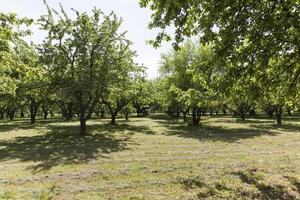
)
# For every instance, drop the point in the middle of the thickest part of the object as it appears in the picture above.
(135, 22)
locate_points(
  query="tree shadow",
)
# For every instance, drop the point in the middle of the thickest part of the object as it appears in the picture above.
(24, 123)
(61, 145)
(266, 191)
(123, 127)
(288, 127)
(295, 182)
(212, 133)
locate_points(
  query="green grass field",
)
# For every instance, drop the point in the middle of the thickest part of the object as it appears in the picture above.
(151, 158)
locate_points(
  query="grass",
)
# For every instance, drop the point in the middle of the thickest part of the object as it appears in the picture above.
(151, 158)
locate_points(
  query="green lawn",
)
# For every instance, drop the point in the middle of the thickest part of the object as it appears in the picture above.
(151, 158)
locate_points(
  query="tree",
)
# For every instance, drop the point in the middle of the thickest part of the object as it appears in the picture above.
(247, 33)
(279, 94)
(11, 34)
(176, 68)
(190, 79)
(122, 85)
(80, 53)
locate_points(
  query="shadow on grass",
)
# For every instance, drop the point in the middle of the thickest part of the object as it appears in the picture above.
(61, 145)
(285, 127)
(250, 178)
(24, 123)
(213, 133)
(218, 133)
(267, 190)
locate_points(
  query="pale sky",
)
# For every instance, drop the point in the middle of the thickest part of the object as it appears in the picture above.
(135, 21)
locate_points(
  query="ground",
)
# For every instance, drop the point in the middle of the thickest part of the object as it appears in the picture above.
(151, 158)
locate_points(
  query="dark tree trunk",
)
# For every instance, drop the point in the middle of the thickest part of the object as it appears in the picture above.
(126, 113)
(289, 111)
(45, 112)
(211, 112)
(33, 110)
(184, 116)
(243, 116)
(32, 116)
(270, 113)
(138, 112)
(1, 114)
(102, 112)
(278, 114)
(69, 111)
(224, 111)
(66, 110)
(196, 117)
(242, 112)
(113, 119)
(11, 116)
(252, 112)
(178, 114)
(22, 115)
(89, 116)
(11, 110)
(82, 131)
(184, 113)
(82, 118)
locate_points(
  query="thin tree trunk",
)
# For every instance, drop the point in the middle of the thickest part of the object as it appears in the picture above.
(196, 117)
(113, 119)
(22, 112)
(278, 114)
(211, 112)
(82, 131)
(33, 110)
(1, 114)
(82, 118)
(45, 112)
(126, 113)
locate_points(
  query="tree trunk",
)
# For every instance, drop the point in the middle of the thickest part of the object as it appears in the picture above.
(289, 111)
(82, 118)
(45, 112)
(243, 117)
(89, 116)
(32, 117)
(241, 112)
(278, 114)
(113, 119)
(69, 111)
(196, 117)
(1, 114)
(33, 110)
(102, 112)
(82, 131)
(126, 113)
(22, 115)
(224, 111)
(184, 116)
(11, 115)
(211, 112)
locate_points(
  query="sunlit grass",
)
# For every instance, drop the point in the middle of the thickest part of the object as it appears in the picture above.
(151, 158)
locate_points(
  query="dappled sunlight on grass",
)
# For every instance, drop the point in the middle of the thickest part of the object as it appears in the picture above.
(153, 157)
